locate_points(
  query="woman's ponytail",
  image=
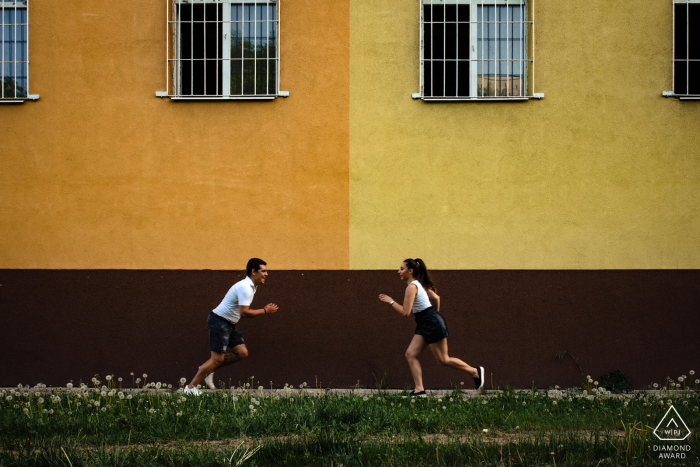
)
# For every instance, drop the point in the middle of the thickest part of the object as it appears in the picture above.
(420, 273)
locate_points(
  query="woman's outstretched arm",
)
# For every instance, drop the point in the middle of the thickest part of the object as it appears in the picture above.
(405, 309)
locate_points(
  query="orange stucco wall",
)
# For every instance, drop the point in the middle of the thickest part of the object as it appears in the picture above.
(99, 173)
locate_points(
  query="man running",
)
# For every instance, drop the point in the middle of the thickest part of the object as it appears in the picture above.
(225, 341)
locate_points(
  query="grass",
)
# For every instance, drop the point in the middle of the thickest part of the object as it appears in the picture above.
(108, 425)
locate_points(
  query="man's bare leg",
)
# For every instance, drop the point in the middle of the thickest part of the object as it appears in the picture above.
(416, 346)
(216, 360)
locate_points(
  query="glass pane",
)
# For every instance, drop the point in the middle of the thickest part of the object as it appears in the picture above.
(438, 38)
(515, 13)
(680, 83)
(248, 40)
(427, 79)
(438, 13)
(272, 12)
(680, 41)
(213, 77)
(451, 13)
(451, 78)
(237, 77)
(198, 77)
(693, 77)
(248, 12)
(486, 85)
(236, 40)
(485, 13)
(261, 13)
(515, 41)
(185, 77)
(463, 40)
(694, 31)
(501, 12)
(236, 12)
(272, 76)
(9, 43)
(501, 49)
(463, 79)
(272, 41)
(261, 77)
(261, 39)
(502, 75)
(462, 13)
(427, 47)
(438, 79)
(451, 40)
(249, 77)
(426, 13)
(516, 79)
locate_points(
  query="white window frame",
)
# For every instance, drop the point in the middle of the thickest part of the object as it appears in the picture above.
(687, 60)
(14, 99)
(527, 55)
(173, 52)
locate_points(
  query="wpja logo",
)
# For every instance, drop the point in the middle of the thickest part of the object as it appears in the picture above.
(672, 428)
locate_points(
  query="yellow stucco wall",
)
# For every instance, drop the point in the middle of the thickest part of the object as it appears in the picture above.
(602, 173)
(99, 173)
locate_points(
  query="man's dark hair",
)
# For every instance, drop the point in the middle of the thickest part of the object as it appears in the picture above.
(254, 265)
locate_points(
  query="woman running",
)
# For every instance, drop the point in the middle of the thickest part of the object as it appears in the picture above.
(431, 329)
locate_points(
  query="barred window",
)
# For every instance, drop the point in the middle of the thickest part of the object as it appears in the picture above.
(686, 48)
(476, 50)
(13, 53)
(224, 49)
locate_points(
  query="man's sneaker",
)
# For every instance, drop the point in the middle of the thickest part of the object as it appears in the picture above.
(209, 381)
(479, 380)
(192, 391)
(419, 394)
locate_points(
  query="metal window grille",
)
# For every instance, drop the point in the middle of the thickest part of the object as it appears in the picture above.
(13, 50)
(223, 49)
(686, 47)
(477, 49)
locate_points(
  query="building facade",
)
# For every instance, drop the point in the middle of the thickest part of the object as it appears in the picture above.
(531, 159)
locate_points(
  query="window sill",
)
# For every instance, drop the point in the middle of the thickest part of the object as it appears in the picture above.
(220, 99)
(536, 96)
(21, 100)
(683, 97)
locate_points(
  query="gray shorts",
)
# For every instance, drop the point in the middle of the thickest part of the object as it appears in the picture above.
(222, 334)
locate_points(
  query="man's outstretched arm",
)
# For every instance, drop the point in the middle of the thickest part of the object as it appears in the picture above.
(246, 312)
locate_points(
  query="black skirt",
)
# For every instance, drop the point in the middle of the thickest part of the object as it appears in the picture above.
(431, 325)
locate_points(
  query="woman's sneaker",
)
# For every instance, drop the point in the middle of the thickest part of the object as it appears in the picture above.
(479, 380)
(209, 381)
(192, 391)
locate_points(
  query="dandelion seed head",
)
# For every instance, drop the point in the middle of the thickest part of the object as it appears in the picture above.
(129, 396)
(485, 430)
(656, 385)
(25, 410)
(145, 376)
(69, 386)
(444, 408)
(158, 385)
(108, 378)
(40, 400)
(413, 401)
(8, 398)
(45, 411)
(179, 414)
(120, 379)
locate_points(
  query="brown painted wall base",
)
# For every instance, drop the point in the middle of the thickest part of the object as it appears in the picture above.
(60, 325)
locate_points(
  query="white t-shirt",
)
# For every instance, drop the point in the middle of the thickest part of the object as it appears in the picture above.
(240, 294)
(422, 301)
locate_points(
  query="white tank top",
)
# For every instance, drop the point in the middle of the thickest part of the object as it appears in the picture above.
(422, 302)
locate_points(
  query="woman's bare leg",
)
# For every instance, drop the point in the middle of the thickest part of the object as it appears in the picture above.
(416, 346)
(439, 350)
